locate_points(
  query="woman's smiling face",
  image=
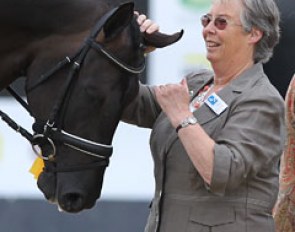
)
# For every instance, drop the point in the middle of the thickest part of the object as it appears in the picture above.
(226, 40)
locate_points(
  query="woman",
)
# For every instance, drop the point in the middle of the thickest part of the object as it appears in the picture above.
(217, 136)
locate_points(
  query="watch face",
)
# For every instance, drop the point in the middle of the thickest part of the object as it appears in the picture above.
(192, 120)
(188, 121)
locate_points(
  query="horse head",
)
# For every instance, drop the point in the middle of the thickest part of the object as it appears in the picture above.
(77, 104)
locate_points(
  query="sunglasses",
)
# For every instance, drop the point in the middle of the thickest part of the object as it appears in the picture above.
(219, 22)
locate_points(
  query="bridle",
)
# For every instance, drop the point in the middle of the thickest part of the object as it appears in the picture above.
(48, 134)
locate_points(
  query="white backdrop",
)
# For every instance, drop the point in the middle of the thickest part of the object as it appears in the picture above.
(170, 64)
(130, 174)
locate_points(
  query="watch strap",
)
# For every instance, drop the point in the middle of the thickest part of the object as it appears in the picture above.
(178, 128)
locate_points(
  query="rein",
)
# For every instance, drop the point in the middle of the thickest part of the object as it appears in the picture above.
(48, 134)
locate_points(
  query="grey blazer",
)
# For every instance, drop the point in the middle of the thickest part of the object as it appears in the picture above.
(249, 138)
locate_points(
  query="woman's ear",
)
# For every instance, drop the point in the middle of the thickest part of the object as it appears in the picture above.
(255, 35)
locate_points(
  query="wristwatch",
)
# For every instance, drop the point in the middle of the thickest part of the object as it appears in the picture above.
(186, 122)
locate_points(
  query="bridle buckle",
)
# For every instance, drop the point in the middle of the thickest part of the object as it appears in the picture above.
(40, 140)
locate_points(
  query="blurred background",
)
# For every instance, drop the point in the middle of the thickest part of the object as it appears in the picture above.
(128, 183)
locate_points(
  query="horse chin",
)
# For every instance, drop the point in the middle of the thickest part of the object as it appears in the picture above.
(74, 207)
(76, 200)
(61, 208)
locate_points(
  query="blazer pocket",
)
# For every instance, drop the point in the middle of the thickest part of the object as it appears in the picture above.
(202, 218)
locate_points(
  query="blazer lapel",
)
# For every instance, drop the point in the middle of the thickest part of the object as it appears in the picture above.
(205, 114)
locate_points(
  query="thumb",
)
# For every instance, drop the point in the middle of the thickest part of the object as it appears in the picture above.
(184, 84)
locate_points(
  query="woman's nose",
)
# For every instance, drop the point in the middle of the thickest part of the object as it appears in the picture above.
(210, 28)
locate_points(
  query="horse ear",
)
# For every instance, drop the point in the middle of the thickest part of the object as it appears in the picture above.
(160, 40)
(119, 20)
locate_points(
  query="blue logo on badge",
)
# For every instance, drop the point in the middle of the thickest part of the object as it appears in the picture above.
(212, 100)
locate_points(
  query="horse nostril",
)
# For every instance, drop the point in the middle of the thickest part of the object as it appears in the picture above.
(72, 202)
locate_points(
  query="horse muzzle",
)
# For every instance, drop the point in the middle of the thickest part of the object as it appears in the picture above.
(71, 194)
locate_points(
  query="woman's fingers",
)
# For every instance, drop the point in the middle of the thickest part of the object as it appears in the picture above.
(145, 24)
(140, 19)
(184, 84)
(149, 26)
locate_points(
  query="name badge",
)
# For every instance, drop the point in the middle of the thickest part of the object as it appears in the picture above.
(216, 103)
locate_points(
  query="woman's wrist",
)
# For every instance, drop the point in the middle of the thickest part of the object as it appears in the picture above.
(190, 120)
(180, 118)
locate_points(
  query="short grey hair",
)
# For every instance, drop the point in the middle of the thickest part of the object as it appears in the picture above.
(263, 15)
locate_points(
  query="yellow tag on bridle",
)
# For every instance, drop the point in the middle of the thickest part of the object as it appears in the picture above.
(37, 167)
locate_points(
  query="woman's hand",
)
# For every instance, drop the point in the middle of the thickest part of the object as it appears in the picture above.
(148, 26)
(174, 101)
(145, 24)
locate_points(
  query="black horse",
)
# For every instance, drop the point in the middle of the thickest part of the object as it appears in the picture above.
(81, 59)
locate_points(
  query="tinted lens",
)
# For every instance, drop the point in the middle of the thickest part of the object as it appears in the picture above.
(220, 23)
(205, 20)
